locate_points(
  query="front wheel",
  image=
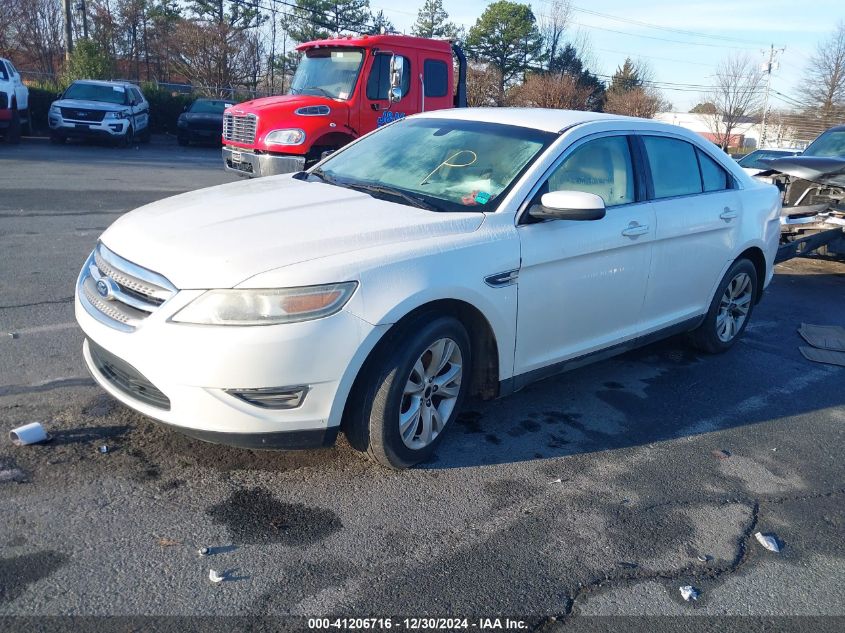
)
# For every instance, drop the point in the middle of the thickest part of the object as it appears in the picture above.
(412, 391)
(128, 138)
(730, 309)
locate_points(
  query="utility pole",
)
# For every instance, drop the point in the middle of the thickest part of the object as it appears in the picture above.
(767, 68)
(68, 30)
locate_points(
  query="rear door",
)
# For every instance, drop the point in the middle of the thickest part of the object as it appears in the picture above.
(140, 109)
(582, 284)
(696, 207)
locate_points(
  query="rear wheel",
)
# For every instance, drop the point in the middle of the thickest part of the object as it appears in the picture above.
(730, 309)
(412, 391)
(27, 128)
(13, 134)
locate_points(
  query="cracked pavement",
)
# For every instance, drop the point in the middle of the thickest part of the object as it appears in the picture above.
(590, 494)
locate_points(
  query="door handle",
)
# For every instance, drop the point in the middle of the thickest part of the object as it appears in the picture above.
(728, 214)
(635, 230)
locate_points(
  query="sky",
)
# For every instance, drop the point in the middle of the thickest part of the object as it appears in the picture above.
(682, 42)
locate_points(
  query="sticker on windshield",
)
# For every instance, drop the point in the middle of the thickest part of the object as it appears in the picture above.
(482, 197)
(118, 88)
(342, 95)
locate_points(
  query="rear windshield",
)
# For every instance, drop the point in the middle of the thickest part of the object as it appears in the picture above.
(206, 106)
(97, 92)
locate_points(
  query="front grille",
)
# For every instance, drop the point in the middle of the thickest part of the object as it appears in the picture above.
(82, 114)
(239, 128)
(119, 292)
(126, 378)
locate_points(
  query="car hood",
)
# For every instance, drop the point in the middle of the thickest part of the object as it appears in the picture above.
(89, 105)
(819, 169)
(284, 102)
(221, 236)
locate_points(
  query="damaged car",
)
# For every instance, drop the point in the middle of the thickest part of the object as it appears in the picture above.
(813, 189)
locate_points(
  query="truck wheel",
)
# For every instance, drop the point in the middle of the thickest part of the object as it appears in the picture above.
(13, 134)
(411, 391)
(57, 139)
(729, 311)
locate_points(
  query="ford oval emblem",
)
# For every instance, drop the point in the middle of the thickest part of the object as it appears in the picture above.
(104, 288)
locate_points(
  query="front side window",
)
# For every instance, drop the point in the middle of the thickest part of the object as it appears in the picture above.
(4, 76)
(455, 165)
(602, 167)
(97, 92)
(435, 78)
(378, 83)
(674, 167)
(328, 72)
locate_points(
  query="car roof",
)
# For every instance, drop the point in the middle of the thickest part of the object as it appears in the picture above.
(544, 119)
(101, 82)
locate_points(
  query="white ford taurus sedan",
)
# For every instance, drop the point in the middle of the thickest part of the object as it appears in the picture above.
(452, 253)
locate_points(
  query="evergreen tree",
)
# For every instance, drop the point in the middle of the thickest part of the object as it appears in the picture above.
(319, 19)
(626, 78)
(379, 24)
(432, 22)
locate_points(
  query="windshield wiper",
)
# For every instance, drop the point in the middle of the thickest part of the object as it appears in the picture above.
(319, 173)
(414, 201)
(322, 90)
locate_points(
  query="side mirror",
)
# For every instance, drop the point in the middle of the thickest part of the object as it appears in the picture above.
(185, 107)
(568, 205)
(397, 68)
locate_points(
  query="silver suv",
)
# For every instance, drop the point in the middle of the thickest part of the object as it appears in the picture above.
(110, 110)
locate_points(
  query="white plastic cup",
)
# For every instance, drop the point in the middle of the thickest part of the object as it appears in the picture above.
(31, 433)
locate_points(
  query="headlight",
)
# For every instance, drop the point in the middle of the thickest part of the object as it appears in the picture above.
(285, 137)
(54, 109)
(123, 114)
(266, 307)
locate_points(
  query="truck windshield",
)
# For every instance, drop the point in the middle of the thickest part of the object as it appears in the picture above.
(444, 164)
(329, 72)
(830, 144)
(97, 92)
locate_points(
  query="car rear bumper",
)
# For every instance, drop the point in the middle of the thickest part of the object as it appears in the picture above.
(253, 165)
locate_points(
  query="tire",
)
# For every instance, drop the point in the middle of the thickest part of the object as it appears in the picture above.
(182, 140)
(13, 134)
(730, 310)
(128, 138)
(57, 139)
(427, 355)
(27, 129)
(145, 135)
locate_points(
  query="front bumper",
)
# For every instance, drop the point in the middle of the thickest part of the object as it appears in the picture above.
(253, 165)
(189, 371)
(107, 128)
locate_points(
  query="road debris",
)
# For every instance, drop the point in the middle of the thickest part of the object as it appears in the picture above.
(204, 551)
(688, 592)
(721, 453)
(768, 541)
(704, 558)
(32, 433)
(104, 449)
(168, 542)
(556, 481)
(12, 475)
(831, 337)
(216, 577)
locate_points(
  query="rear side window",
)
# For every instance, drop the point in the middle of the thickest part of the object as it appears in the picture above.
(602, 167)
(674, 167)
(4, 76)
(713, 175)
(378, 83)
(436, 78)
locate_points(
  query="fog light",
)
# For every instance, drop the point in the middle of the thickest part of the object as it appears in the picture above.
(272, 397)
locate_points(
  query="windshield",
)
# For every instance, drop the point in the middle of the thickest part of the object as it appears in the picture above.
(752, 161)
(327, 72)
(449, 165)
(829, 144)
(207, 106)
(97, 92)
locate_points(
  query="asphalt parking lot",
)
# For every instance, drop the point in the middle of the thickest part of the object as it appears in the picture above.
(593, 493)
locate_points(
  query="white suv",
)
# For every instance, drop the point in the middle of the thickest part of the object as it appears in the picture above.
(457, 252)
(14, 102)
(110, 110)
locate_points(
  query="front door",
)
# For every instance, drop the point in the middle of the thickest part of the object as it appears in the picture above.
(376, 108)
(582, 283)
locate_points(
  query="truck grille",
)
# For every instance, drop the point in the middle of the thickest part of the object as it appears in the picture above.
(119, 293)
(82, 114)
(126, 378)
(239, 128)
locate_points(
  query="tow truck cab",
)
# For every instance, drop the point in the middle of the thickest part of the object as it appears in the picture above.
(342, 89)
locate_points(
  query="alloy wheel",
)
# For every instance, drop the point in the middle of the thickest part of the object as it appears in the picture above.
(734, 307)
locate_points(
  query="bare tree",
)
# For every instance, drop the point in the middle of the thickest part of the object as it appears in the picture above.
(632, 91)
(553, 25)
(824, 84)
(737, 94)
(34, 33)
(483, 82)
(561, 91)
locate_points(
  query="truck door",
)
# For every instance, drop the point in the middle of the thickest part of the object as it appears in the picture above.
(376, 109)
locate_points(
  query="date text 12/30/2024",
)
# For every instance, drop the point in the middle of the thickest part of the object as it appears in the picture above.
(445, 624)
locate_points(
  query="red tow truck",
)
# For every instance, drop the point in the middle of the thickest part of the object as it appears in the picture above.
(343, 88)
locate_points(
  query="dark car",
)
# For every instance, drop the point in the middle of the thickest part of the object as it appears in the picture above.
(202, 121)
